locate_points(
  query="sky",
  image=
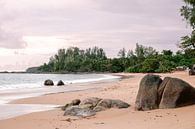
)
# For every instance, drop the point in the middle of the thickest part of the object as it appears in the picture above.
(31, 31)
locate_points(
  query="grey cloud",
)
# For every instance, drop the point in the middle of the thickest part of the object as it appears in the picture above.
(11, 40)
(119, 22)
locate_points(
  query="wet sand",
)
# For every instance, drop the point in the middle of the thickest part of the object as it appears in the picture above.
(126, 90)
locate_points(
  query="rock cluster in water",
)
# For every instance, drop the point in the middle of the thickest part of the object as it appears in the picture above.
(90, 106)
(60, 83)
(49, 82)
(168, 93)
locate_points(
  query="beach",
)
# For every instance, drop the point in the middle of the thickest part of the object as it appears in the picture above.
(124, 89)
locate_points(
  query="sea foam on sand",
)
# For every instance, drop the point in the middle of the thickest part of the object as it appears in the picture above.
(12, 110)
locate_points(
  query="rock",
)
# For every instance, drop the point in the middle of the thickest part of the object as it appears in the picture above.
(106, 103)
(162, 87)
(73, 103)
(76, 102)
(111, 103)
(81, 111)
(147, 97)
(176, 93)
(60, 83)
(119, 104)
(66, 106)
(93, 101)
(48, 82)
(99, 109)
(90, 106)
(171, 93)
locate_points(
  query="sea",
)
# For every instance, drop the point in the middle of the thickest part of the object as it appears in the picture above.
(15, 86)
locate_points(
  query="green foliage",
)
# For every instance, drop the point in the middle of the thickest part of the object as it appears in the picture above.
(142, 59)
(117, 65)
(150, 65)
(122, 53)
(188, 41)
(75, 60)
(135, 69)
(165, 66)
(188, 12)
(167, 52)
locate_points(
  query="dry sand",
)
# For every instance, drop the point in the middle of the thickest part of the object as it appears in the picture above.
(126, 90)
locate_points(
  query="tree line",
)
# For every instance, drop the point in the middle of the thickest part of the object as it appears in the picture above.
(142, 59)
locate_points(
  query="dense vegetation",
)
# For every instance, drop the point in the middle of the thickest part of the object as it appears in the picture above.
(142, 59)
(188, 13)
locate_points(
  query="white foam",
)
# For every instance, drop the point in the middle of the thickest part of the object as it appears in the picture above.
(105, 77)
(13, 110)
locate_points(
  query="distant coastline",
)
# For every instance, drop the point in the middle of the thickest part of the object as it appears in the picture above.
(60, 72)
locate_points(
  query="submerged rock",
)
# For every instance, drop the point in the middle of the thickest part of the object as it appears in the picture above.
(60, 83)
(48, 82)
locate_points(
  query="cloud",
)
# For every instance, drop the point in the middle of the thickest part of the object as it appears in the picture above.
(11, 40)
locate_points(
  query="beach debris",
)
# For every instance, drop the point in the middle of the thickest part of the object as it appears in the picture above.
(48, 82)
(90, 106)
(60, 83)
(170, 93)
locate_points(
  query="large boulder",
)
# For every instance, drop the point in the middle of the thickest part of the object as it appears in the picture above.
(48, 82)
(175, 92)
(60, 83)
(147, 97)
(170, 93)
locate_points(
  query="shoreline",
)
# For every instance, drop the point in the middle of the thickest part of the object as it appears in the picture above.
(90, 87)
(34, 107)
(8, 95)
(124, 89)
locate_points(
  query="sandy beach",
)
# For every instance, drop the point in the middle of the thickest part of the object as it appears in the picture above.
(124, 89)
